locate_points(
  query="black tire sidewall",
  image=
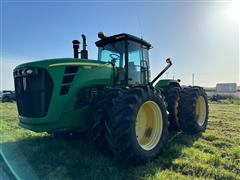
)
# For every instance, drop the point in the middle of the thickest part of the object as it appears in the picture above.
(188, 100)
(171, 98)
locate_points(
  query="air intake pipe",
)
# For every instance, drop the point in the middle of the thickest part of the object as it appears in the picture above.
(84, 52)
(75, 48)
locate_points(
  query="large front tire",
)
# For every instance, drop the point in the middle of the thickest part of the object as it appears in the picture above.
(100, 113)
(137, 131)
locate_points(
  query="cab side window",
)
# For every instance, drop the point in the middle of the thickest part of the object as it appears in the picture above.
(134, 63)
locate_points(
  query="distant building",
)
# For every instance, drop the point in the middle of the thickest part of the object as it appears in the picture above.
(226, 87)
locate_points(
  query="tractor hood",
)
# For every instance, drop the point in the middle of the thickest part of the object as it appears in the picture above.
(62, 62)
(48, 92)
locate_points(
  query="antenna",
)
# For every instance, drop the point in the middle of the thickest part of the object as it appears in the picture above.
(140, 26)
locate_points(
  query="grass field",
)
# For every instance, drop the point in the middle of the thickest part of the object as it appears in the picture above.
(213, 155)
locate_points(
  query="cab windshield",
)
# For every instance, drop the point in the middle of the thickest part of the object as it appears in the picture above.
(136, 71)
(113, 51)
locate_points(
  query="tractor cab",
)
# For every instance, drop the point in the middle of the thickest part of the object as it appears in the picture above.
(129, 57)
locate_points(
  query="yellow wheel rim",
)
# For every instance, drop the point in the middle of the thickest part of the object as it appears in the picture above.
(149, 125)
(201, 110)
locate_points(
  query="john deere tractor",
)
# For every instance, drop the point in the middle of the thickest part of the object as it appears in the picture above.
(113, 97)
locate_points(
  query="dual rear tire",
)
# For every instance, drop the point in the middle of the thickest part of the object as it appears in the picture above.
(193, 110)
(172, 99)
(188, 109)
(133, 124)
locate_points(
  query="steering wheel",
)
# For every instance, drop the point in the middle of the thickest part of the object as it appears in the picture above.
(114, 57)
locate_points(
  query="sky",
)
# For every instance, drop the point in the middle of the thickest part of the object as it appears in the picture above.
(201, 37)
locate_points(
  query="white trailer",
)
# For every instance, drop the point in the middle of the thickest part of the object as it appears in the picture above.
(226, 88)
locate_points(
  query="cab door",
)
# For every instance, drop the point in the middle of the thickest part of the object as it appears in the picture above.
(138, 63)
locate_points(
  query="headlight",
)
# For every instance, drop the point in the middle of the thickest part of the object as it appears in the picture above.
(25, 72)
(29, 71)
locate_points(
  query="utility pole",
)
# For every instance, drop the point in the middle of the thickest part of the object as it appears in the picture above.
(192, 79)
(167, 74)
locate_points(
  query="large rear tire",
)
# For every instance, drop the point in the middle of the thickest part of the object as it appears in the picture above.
(137, 130)
(193, 110)
(172, 98)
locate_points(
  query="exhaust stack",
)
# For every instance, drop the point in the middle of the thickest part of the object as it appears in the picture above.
(75, 48)
(169, 62)
(84, 52)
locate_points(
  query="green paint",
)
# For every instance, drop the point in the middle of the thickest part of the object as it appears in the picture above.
(62, 112)
(165, 83)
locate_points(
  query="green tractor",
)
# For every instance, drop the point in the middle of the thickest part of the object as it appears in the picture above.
(112, 97)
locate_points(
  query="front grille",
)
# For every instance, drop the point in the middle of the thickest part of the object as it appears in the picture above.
(33, 88)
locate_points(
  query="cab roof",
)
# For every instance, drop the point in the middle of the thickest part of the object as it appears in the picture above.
(122, 36)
